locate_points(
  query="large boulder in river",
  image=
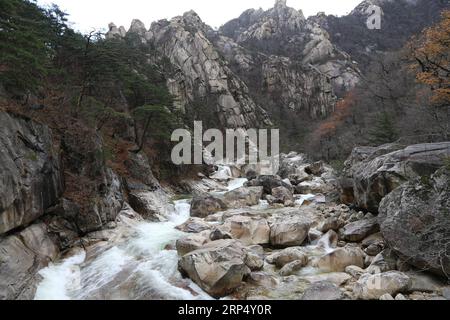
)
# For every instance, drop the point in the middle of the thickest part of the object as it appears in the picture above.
(203, 206)
(243, 197)
(21, 256)
(415, 222)
(373, 287)
(218, 267)
(289, 231)
(249, 230)
(372, 173)
(30, 171)
(339, 259)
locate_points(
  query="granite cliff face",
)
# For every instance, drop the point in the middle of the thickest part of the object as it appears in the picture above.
(284, 31)
(253, 66)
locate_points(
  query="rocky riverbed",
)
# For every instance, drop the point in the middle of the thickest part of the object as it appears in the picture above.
(261, 237)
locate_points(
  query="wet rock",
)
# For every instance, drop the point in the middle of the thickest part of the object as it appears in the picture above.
(249, 230)
(152, 206)
(358, 231)
(262, 279)
(384, 261)
(268, 183)
(254, 261)
(328, 241)
(289, 231)
(323, 291)
(372, 287)
(332, 223)
(281, 258)
(414, 222)
(21, 257)
(190, 243)
(243, 197)
(354, 271)
(203, 206)
(218, 267)
(219, 234)
(194, 225)
(292, 267)
(337, 278)
(341, 258)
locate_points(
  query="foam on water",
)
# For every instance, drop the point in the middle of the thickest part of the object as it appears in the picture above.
(153, 269)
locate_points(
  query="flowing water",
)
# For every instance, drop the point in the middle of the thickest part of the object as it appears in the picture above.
(137, 268)
(137, 263)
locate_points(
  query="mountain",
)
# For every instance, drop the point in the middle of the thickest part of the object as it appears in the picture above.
(400, 20)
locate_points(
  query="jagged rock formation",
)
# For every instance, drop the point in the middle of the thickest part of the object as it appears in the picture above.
(284, 31)
(400, 20)
(250, 65)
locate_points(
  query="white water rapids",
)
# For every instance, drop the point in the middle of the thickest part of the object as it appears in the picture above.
(138, 264)
(139, 268)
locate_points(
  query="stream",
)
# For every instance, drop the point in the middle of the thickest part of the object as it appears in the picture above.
(136, 266)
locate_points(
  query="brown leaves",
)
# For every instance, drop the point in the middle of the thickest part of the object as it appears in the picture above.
(432, 60)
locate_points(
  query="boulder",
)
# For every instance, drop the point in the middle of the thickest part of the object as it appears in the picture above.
(323, 290)
(383, 262)
(373, 287)
(289, 231)
(359, 230)
(218, 267)
(415, 222)
(292, 267)
(354, 271)
(372, 173)
(283, 195)
(194, 225)
(203, 206)
(332, 223)
(190, 243)
(249, 230)
(341, 258)
(254, 261)
(152, 206)
(281, 258)
(268, 183)
(243, 197)
(21, 256)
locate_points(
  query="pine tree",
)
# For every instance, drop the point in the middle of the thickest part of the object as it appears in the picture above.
(384, 130)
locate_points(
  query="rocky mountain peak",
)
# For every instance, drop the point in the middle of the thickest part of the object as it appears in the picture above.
(280, 4)
(137, 26)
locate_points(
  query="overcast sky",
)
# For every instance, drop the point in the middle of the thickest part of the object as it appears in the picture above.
(88, 14)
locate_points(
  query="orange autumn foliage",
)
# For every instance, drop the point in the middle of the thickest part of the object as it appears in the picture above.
(432, 60)
(342, 111)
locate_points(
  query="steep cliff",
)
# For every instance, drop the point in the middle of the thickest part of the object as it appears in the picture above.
(284, 31)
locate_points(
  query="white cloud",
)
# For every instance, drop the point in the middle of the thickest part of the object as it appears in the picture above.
(87, 14)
